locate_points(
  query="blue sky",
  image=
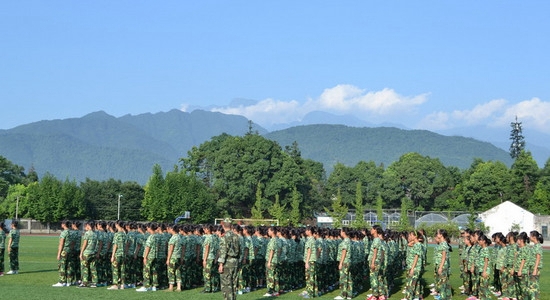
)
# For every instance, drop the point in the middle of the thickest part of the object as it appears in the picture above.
(434, 65)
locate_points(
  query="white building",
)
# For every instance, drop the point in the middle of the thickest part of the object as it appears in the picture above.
(507, 216)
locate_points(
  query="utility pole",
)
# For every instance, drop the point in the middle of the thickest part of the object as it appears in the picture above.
(118, 210)
(17, 208)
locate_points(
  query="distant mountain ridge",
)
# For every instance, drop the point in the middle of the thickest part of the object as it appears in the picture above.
(100, 146)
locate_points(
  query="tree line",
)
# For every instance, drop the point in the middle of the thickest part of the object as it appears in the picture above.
(253, 177)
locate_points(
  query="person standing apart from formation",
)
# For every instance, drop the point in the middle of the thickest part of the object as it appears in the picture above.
(230, 249)
(13, 249)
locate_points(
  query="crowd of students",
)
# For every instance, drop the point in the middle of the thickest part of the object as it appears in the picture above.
(155, 256)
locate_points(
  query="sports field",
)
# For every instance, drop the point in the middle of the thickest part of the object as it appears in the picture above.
(38, 271)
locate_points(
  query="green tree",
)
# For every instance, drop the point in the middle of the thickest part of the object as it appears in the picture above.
(539, 203)
(404, 223)
(154, 206)
(338, 210)
(487, 186)
(358, 205)
(523, 179)
(421, 178)
(380, 209)
(518, 141)
(10, 173)
(17, 193)
(295, 216)
(257, 211)
(44, 199)
(277, 211)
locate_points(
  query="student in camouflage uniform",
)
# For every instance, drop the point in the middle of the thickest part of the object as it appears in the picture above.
(248, 260)
(475, 262)
(150, 271)
(119, 256)
(209, 252)
(500, 261)
(262, 240)
(271, 261)
(466, 263)
(102, 261)
(310, 264)
(535, 264)
(442, 265)
(228, 260)
(376, 264)
(63, 255)
(13, 248)
(507, 273)
(522, 266)
(486, 269)
(74, 257)
(88, 255)
(2, 247)
(162, 254)
(413, 287)
(173, 258)
(344, 264)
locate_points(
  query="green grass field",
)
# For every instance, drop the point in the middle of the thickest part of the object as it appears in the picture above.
(38, 271)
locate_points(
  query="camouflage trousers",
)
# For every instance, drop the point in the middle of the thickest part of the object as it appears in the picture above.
(162, 271)
(2, 250)
(230, 279)
(210, 276)
(245, 275)
(103, 265)
(508, 286)
(346, 281)
(131, 268)
(174, 270)
(484, 288)
(272, 279)
(311, 280)
(377, 279)
(150, 273)
(413, 287)
(119, 270)
(466, 281)
(475, 283)
(533, 290)
(14, 259)
(527, 288)
(442, 285)
(89, 269)
(64, 268)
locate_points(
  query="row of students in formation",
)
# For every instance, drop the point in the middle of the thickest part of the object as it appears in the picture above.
(281, 259)
(509, 269)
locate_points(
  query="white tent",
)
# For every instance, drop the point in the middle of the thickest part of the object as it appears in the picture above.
(507, 215)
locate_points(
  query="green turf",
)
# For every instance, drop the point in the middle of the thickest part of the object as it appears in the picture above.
(38, 271)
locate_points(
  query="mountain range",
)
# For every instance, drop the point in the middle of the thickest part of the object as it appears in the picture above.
(100, 146)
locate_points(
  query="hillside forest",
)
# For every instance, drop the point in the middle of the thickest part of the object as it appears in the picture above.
(251, 176)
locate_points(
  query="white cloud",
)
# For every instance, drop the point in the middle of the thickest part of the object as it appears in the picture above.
(348, 99)
(267, 111)
(498, 113)
(532, 113)
(341, 99)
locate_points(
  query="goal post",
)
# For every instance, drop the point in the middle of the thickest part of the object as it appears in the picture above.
(255, 222)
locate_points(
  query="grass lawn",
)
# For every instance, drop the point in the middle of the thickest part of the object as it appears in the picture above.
(38, 271)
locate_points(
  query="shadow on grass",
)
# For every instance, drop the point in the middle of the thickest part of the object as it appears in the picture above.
(39, 271)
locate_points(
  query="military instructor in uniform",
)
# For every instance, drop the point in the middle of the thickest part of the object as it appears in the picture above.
(228, 260)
